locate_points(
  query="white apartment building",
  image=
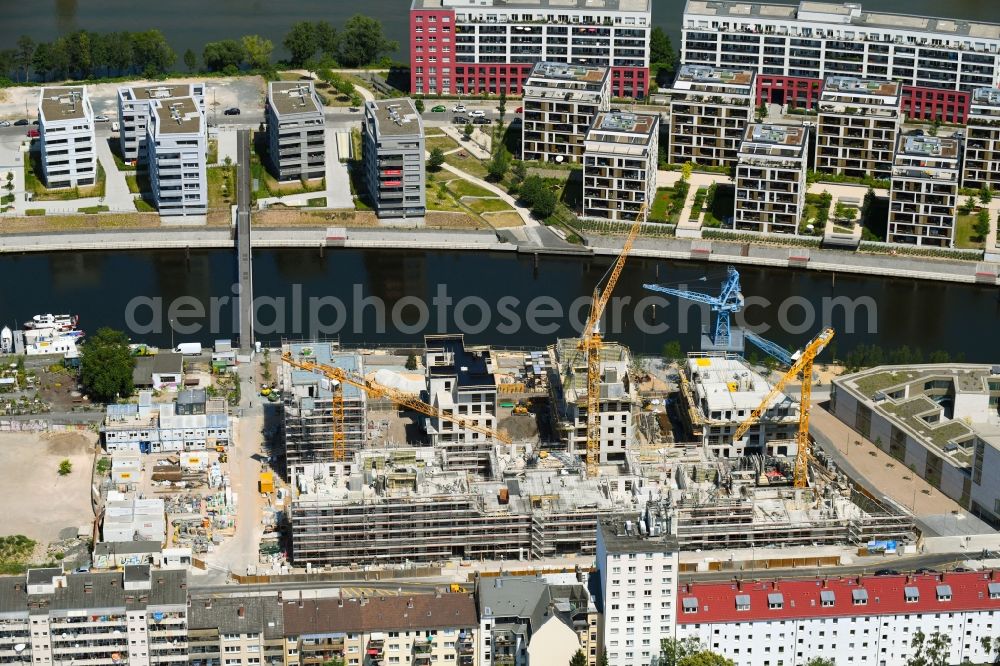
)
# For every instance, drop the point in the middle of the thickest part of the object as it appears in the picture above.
(620, 159)
(393, 155)
(296, 134)
(859, 621)
(66, 135)
(856, 126)
(236, 631)
(460, 381)
(568, 395)
(981, 167)
(923, 197)
(793, 47)
(771, 179)
(191, 423)
(136, 616)
(177, 141)
(560, 104)
(476, 46)
(710, 108)
(134, 107)
(637, 560)
(719, 391)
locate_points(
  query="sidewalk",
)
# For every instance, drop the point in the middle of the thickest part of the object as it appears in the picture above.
(525, 214)
(116, 194)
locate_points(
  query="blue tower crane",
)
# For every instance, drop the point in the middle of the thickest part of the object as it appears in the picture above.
(728, 302)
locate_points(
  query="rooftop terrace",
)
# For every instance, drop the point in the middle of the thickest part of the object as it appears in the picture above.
(705, 74)
(848, 84)
(928, 146)
(591, 5)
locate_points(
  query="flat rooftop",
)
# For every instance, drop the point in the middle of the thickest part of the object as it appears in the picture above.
(161, 90)
(851, 14)
(707, 74)
(986, 96)
(774, 140)
(626, 534)
(624, 127)
(65, 103)
(396, 117)
(850, 84)
(179, 115)
(471, 367)
(564, 72)
(727, 383)
(291, 97)
(927, 146)
(324, 353)
(589, 5)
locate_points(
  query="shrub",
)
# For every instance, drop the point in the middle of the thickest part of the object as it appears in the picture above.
(33, 212)
(65, 467)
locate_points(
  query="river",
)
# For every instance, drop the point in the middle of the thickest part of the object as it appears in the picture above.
(99, 286)
(192, 23)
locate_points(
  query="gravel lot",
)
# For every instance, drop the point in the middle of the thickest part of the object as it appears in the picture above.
(37, 501)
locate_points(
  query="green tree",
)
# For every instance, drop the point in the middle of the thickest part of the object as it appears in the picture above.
(518, 172)
(530, 190)
(362, 42)
(982, 225)
(121, 54)
(151, 54)
(603, 661)
(662, 56)
(579, 659)
(672, 650)
(498, 164)
(106, 366)
(65, 468)
(502, 106)
(419, 104)
(985, 195)
(672, 351)
(436, 160)
(930, 650)
(411, 362)
(686, 171)
(821, 661)
(356, 100)
(545, 203)
(257, 51)
(967, 207)
(760, 113)
(190, 60)
(468, 130)
(705, 658)
(25, 54)
(218, 56)
(301, 42)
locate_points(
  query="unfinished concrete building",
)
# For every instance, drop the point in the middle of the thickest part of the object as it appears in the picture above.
(718, 392)
(460, 381)
(856, 126)
(308, 400)
(400, 505)
(568, 393)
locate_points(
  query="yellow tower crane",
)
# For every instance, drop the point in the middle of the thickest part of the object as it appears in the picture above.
(377, 390)
(802, 362)
(590, 343)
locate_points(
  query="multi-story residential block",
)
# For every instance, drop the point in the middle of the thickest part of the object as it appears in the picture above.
(560, 104)
(393, 153)
(136, 616)
(236, 631)
(537, 620)
(193, 422)
(460, 381)
(422, 630)
(923, 198)
(620, 160)
(296, 134)
(469, 47)
(66, 135)
(568, 394)
(771, 179)
(309, 422)
(856, 126)
(938, 420)
(719, 391)
(793, 47)
(981, 167)
(637, 561)
(710, 108)
(134, 111)
(860, 620)
(176, 143)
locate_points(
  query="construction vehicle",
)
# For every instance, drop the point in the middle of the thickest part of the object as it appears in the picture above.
(455, 587)
(802, 363)
(520, 408)
(590, 343)
(376, 390)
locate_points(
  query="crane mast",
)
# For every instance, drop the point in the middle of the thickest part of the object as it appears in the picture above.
(802, 363)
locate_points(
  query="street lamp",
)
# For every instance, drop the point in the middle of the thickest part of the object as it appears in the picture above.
(172, 347)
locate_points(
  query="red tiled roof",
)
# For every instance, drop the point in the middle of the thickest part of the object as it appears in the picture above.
(420, 611)
(801, 598)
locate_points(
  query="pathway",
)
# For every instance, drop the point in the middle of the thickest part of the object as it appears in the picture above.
(226, 140)
(338, 182)
(525, 214)
(116, 193)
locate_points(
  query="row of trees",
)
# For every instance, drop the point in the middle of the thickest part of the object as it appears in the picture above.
(870, 356)
(86, 55)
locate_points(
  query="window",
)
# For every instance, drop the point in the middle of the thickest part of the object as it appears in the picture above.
(742, 602)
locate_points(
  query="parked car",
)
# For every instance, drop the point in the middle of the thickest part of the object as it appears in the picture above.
(440, 108)
(477, 113)
(926, 570)
(616, 110)
(101, 119)
(886, 572)
(458, 108)
(4, 123)
(35, 121)
(519, 110)
(33, 133)
(480, 120)
(460, 120)
(231, 111)
(22, 121)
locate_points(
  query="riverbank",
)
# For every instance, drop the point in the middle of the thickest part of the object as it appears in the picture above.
(813, 259)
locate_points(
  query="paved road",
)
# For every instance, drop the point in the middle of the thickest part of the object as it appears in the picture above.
(243, 240)
(359, 586)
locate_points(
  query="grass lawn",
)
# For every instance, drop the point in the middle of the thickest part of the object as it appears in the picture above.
(965, 237)
(78, 222)
(723, 205)
(440, 198)
(219, 194)
(443, 142)
(486, 205)
(504, 220)
(138, 182)
(661, 202)
(468, 164)
(464, 188)
(115, 145)
(213, 152)
(33, 183)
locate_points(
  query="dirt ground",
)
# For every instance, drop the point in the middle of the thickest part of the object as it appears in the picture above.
(39, 503)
